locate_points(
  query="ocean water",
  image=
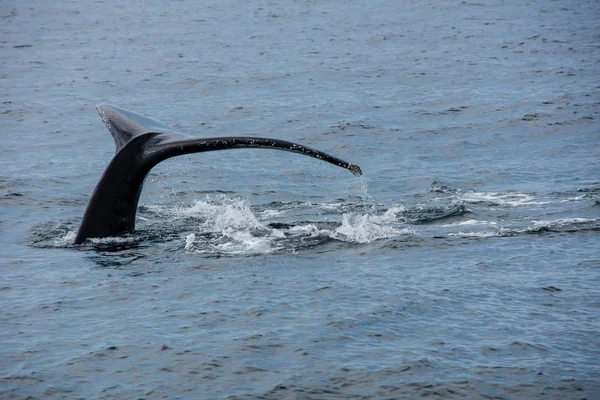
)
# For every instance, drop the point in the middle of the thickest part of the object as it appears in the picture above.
(464, 263)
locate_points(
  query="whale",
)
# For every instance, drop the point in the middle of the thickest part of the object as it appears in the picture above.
(143, 142)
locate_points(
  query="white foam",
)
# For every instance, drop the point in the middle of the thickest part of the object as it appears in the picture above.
(229, 226)
(329, 206)
(235, 228)
(65, 240)
(236, 215)
(113, 240)
(309, 229)
(483, 234)
(272, 213)
(244, 242)
(560, 222)
(389, 216)
(576, 198)
(365, 228)
(502, 199)
(470, 222)
(189, 241)
(358, 228)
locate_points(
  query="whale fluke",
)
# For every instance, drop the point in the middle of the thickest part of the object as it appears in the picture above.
(141, 143)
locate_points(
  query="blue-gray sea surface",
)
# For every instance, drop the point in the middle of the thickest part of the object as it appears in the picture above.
(465, 262)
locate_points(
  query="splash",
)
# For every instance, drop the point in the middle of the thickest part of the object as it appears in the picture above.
(229, 227)
(232, 227)
(364, 191)
(189, 241)
(66, 240)
(222, 226)
(359, 228)
(365, 228)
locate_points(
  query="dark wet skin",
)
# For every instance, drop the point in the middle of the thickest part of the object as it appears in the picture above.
(142, 143)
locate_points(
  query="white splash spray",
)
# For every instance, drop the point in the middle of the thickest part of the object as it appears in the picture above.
(230, 227)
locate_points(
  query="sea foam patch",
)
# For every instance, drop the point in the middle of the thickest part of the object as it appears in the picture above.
(232, 227)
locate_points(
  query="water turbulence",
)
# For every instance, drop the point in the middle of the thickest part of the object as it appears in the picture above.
(225, 226)
(229, 226)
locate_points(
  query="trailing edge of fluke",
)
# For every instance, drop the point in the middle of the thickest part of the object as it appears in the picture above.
(141, 143)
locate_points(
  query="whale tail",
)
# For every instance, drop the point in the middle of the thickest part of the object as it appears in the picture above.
(124, 124)
(141, 143)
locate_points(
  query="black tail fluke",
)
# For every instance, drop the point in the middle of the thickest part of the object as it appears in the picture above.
(141, 143)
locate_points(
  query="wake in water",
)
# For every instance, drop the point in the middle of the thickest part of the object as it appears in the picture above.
(503, 214)
(220, 225)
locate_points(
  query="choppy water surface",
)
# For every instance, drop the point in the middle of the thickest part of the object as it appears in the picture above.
(463, 264)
